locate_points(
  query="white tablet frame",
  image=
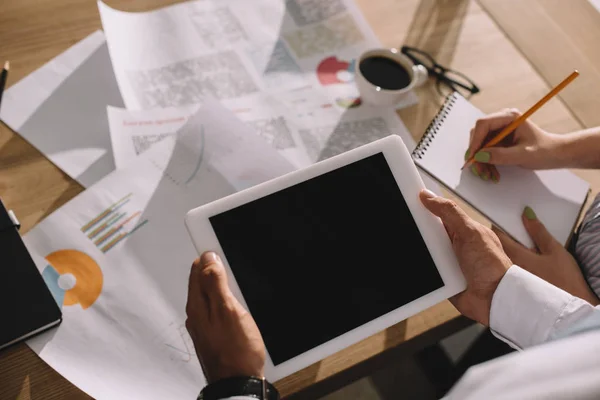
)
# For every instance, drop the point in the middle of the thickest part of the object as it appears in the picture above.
(409, 181)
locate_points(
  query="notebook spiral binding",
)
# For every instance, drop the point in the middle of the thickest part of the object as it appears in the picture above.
(433, 127)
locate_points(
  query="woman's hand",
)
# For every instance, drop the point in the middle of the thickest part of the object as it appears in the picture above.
(528, 146)
(550, 261)
(479, 253)
(226, 338)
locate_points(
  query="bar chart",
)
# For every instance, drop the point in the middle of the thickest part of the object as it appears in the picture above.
(114, 224)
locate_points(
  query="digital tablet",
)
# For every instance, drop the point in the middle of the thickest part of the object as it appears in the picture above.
(326, 256)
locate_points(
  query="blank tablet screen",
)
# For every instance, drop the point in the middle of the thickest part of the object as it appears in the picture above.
(325, 256)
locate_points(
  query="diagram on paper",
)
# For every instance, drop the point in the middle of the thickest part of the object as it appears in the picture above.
(219, 75)
(332, 72)
(182, 165)
(276, 66)
(326, 37)
(275, 131)
(218, 27)
(175, 341)
(328, 141)
(180, 342)
(141, 143)
(73, 277)
(114, 224)
(306, 12)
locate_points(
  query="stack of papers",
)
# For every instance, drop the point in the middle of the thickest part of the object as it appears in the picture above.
(160, 113)
(124, 258)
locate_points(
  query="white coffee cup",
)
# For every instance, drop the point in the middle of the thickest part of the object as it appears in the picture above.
(375, 95)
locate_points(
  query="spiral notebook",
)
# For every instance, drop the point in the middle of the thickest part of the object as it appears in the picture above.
(556, 196)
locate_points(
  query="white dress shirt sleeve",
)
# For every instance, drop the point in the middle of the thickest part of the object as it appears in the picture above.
(527, 311)
(566, 369)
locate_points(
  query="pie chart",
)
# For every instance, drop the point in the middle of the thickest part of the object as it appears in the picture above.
(73, 277)
(331, 71)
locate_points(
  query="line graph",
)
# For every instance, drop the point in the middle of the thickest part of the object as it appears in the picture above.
(200, 157)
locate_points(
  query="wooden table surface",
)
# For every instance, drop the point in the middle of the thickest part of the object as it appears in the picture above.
(458, 33)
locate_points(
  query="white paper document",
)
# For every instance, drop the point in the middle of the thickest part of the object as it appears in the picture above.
(134, 131)
(303, 134)
(61, 110)
(117, 259)
(21, 100)
(299, 53)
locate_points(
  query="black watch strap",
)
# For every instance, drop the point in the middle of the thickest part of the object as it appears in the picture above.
(239, 386)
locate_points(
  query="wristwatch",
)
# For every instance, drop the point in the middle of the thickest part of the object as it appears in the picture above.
(251, 386)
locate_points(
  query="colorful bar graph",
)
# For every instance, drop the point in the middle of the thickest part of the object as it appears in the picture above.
(115, 229)
(109, 222)
(109, 227)
(122, 236)
(109, 211)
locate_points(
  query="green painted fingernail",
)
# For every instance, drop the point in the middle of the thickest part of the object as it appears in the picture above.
(467, 155)
(482, 156)
(485, 176)
(529, 213)
(474, 170)
(494, 178)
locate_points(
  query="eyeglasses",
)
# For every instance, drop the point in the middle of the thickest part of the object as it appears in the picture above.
(446, 78)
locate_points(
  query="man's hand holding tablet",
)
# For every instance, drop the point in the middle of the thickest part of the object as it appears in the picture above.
(480, 255)
(522, 309)
(215, 314)
(328, 255)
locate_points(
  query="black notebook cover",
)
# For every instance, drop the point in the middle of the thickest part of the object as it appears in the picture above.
(26, 304)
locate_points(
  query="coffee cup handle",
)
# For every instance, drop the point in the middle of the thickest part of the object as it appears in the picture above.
(420, 73)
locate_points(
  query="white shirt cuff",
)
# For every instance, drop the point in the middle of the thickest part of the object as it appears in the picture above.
(525, 308)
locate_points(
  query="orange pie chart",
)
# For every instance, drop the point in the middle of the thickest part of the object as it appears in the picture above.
(87, 273)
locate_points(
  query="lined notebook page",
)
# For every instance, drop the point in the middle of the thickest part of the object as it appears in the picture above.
(556, 196)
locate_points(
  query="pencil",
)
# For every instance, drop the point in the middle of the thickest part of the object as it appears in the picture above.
(3, 77)
(513, 125)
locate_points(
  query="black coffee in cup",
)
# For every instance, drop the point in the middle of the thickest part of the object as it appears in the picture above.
(385, 72)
